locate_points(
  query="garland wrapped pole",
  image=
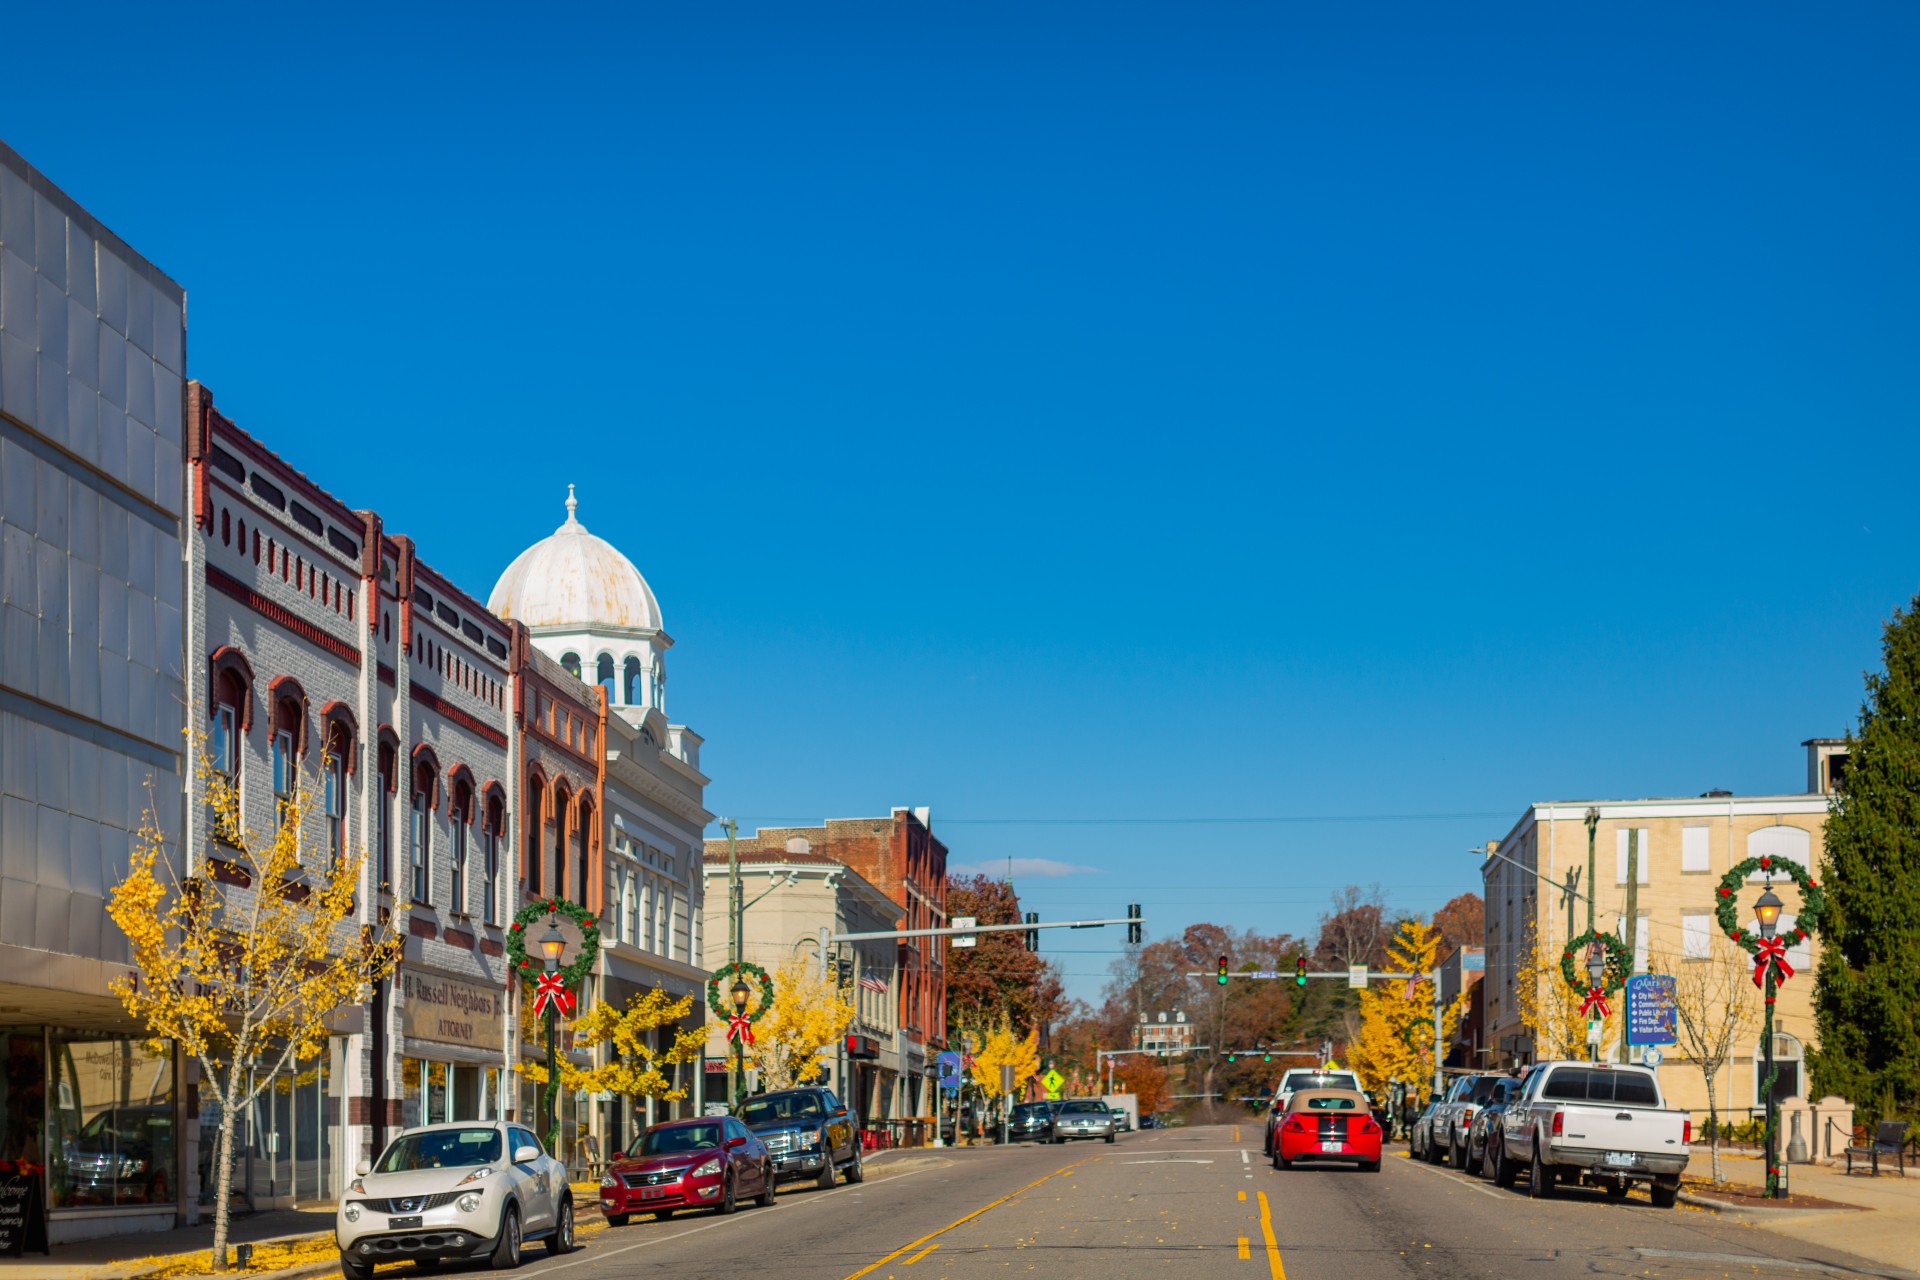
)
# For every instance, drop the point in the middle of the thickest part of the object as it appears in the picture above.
(1770, 967)
(553, 990)
(740, 1021)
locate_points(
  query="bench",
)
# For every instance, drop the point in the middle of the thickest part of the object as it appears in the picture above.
(1889, 1140)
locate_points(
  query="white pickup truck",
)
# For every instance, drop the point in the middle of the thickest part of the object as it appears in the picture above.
(1593, 1123)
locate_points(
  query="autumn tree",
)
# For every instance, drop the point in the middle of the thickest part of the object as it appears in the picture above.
(1550, 1009)
(634, 1067)
(1714, 1013)
(809, 1013)
(1003, 1046)
(1395, 1041)
(1144, 1078)
(1462, 922)
(241, 958)
(997, 978)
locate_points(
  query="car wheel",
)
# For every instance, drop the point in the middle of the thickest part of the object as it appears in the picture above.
(506, 1252)
(1456, 1154)
(1664, 1194)
(561, 1241)
(826, 1179)
(1539, 1177)
(1474, 1161)
(354, 1269)
(1435, 1154)
(1371, 1166)
(857, 1171)
(1503, 1170)
(766, 1189)
(727, 1203)
(1109, 1139)
(616, 1219)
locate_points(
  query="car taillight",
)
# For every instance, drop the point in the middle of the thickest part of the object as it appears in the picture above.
(1558, 1119)
(1686, 1131)
(1295, 1125)
(1466, 1117)
(1369, 1128)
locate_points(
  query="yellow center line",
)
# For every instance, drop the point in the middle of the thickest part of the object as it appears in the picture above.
(1243, 1195)
(1278, 1271)
(923, 1253)
(1244, 1255)
(877, 1263)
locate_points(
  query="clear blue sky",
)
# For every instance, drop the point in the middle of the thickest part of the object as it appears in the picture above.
(1108, 411)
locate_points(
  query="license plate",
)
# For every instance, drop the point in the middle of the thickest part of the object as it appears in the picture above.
(1332, 1146)
(1625, 1159)
(402, 1224)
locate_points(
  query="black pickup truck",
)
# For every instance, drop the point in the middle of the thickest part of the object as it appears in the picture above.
(808, 1132)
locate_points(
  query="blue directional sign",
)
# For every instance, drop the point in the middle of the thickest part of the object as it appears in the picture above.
(1650, 1009)
(949, 1064)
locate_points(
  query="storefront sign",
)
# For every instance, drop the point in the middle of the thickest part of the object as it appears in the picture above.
(452, 1010)
(23, 1210)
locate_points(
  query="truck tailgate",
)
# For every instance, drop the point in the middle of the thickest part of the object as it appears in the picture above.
(1598, 1127)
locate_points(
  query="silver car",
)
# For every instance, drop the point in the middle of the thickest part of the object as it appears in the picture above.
(475, 1190)
(1082, 1118)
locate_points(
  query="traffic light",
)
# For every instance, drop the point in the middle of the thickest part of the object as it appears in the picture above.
(1033, 935)
(1266, 1057)
(1300, 972)
(1223, 971)
(845, 970)
(1133, 923)
(1229, 1057)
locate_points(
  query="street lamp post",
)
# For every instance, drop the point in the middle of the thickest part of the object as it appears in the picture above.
(741, 993)
(1767, 911)
(1596, 977)
(552, 943)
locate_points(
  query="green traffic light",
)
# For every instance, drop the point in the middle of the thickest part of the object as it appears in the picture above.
(1229, 1057)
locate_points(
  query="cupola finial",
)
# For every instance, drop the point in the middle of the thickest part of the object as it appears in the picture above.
(572, 504)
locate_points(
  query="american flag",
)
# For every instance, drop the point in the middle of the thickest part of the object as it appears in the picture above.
(873, 982)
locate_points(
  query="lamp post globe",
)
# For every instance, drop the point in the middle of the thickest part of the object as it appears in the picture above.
(553, 943)
(1767, 911)
(741, 993)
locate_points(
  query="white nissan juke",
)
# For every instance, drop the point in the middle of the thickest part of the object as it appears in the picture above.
(476, 1190)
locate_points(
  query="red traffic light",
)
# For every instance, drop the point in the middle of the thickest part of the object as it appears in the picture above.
(1223, 971)
(1300, 972)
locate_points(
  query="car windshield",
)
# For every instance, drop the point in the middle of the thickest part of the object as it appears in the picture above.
(1332, 1103)
(679, 1138)
(1032, 1109)
(1084, 1109)
(440, 1149)
(1323, 1080)
(789, 1106)
(1483, 1087)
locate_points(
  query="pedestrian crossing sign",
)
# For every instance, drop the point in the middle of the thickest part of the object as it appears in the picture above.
(1053, 1080)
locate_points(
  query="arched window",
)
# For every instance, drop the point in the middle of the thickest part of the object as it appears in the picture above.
(629, 909)
(562, 798)
(334, 787)
(660, 687)
(583, 847)
(457, 817)
(536, 806)
(603, 675)
(1789, 1057)
(226, 528)
(491, 826)
(288, 736)
(420, 835)
(383, 807)
(571, 661)
(635, 692)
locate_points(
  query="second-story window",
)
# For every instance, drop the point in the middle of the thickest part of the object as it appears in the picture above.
(335, 800)
(283, 778)
(419, 843)
(490, 861)
(458, 816)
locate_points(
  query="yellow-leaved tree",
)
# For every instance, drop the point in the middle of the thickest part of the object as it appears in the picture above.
(810, 1013)
(1396, 1016)
(241, 958)
(634, 1067)
(1550, 1009)
(1003, 1047)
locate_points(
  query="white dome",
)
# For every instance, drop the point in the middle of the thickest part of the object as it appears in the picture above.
(574, 579)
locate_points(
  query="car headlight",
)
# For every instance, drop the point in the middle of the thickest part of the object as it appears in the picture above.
(608, 1180)
(709, 1169)
(358, 1187)
(811, 1138)
(484, 1171)
(469, 1202)
(351, 1213)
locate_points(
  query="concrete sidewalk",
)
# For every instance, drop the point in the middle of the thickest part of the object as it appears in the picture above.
(1883, 1225)
(114, 1256)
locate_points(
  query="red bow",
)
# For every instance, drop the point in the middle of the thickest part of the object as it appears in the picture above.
(1772, 951)
(551, 990)
(1596, 1001)
(739, 1027)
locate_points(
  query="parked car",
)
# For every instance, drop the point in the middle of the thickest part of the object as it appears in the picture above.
(1483, 1133)
(1596, 1124)
(1122, 1119)
(1449, 1136)
(1294, 1078)
(1081, 1118)
(807, 1132)
(1031, 1121)
(1328, 1124)
(1150, 1122)
(475, 1190)
(707, 1163)
(1420, 1133)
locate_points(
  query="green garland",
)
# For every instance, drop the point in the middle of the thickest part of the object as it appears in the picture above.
(1806, 922)
(740, 968)
(1619, 962)
(529, 968)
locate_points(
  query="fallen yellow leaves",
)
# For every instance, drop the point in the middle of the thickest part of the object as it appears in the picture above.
(266, 1257)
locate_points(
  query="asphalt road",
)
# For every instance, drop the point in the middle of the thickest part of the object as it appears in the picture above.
(1195, 1203)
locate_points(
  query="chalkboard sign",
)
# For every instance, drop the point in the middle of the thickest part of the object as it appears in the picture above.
(23, 1210)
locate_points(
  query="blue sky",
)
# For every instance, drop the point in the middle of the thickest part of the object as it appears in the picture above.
(1379, 414)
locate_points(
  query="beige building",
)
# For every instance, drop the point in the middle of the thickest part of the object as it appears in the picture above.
(1685, 846)
(792, 895)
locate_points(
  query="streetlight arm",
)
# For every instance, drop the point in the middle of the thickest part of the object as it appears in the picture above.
(1564, 888)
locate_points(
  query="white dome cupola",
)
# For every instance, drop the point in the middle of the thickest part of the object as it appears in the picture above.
(588, 608)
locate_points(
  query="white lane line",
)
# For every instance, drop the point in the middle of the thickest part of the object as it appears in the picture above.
(1171, 1161)
(1243, 1157)
(1462, 1180)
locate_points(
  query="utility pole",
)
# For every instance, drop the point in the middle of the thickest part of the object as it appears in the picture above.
(1632, 922)
(1568, 893)
(732, 829)
(1593, 826)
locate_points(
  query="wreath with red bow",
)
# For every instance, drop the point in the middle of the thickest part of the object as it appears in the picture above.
(740, 1025)
(1619, 965)
(529, 968)
(1769, 952)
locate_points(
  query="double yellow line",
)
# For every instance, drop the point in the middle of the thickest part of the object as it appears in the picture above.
(961, 1222)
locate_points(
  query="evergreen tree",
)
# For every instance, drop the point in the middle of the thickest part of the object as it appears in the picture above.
(1867, 987)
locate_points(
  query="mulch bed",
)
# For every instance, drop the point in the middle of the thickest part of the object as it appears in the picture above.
(1746, 1196)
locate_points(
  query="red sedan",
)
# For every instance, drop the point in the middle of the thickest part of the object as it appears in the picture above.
(1328, 1124)
(687, 1164)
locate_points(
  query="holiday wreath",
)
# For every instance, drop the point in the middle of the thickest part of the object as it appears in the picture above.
(1769, 951)
(740, 1025)
(1612, 978)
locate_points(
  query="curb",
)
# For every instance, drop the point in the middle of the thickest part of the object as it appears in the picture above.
(1728, 1206)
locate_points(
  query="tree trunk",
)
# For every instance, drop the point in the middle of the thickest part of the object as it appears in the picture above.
(223, 1185)
(1713, 1128)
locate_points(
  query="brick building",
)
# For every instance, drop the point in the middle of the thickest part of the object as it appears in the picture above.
(901, 857)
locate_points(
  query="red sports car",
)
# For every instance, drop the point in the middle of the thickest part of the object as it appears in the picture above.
(687, 1164)
(1328, 1124)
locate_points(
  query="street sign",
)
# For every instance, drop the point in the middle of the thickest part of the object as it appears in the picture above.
(948, 1065)
(964, 922)
(1652, 1056)
(1651, 1016)
(1006, 1077)
(1593, 1031)
(1265, 973)
(1053, 1080)
(1357, 976)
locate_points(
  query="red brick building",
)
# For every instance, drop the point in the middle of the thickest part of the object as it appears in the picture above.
(900, 856)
